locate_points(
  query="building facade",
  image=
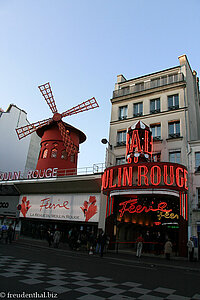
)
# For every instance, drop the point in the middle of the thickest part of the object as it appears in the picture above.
(41, 187)
(167, 102)
(16, 155)
(194, 188)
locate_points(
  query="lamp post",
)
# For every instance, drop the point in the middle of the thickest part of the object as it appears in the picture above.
(110, 156)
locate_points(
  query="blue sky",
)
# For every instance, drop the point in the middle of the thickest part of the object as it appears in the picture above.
(81, 46)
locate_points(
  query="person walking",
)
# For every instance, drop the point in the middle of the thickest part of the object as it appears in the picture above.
(4, 231)
(49, 237)
(91, 241)
(190, 245)
(56, 238)
(98, 242)
(158, 245)
(103, 239)
(168, 249)
(139, 243)
(10, 234)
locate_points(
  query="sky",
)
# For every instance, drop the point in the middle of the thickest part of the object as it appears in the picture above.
(81, 46)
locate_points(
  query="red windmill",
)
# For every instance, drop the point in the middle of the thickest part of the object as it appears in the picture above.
(59, 140)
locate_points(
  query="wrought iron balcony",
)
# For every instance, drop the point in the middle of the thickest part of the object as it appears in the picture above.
(144, 86)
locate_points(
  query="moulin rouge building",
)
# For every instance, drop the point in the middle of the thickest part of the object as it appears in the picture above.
(146, 196)
(54, 194)
(168, 102)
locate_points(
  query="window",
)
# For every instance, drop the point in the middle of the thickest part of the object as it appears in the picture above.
(45, 153)
(175, 156)
(64, 155)
(123, 112)
(120, 160)
(156, 157)
(156, 131)
(137, 109)
(72, 158)
(139, 86)
(155, 82)
(155, 106)
(198, 197)
(197, 161)
(174, 129)
(163, 80)
(54, 153)
(173, 102)
(121, 138)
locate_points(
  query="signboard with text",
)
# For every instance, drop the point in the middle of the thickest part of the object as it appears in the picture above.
(70, 207)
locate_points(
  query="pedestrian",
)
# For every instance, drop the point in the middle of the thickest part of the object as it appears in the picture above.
(158, 244)
(190, 245)
(139, 243)
(10, 234)
(98, 242)
(49, 237)
(4, 231)
(147, 240)
(56, 238)
(103, 239)
(168, 249)
(107, 243)
(90, 241)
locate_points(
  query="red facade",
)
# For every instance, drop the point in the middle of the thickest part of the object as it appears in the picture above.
(53, 153)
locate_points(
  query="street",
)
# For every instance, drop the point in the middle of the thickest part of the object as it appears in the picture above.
(32, 272)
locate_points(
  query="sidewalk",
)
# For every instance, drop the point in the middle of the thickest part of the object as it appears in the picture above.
(126, 256)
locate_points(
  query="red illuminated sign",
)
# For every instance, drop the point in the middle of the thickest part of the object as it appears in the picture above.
(132, 206)
(139, 143)
(167, 175)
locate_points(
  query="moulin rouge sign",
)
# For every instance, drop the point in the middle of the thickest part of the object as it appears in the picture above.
(140, 171)
(149, 175)
(36, 174)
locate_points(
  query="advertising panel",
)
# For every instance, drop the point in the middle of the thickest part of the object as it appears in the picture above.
(8, 205)
(69, 207)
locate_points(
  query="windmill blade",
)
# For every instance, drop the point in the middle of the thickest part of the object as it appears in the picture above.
(45, 89)
(28, 129)
(69, 145)
(87, 105)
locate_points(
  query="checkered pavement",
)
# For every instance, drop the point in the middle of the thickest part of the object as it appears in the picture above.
(79, 285)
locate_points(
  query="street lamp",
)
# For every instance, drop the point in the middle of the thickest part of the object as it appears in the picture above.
(110, 156)
(105, 141)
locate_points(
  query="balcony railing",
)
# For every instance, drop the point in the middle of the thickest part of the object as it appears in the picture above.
(95, 169)
(174, 135)
(159, 82)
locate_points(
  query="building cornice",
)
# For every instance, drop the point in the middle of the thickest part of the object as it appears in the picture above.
(152, 91)
(162, 72)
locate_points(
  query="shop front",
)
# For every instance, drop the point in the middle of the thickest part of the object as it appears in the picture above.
(53, 203)
(8, 211)
(42, 212)
(152, 205)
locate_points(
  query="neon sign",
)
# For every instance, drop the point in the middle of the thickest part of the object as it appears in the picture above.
(139, 143)
(153, 175)
(132, 206)
(167, 215)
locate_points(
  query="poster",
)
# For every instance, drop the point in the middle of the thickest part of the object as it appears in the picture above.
(69, 207)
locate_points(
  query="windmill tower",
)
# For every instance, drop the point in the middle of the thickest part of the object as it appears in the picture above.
(59, 140)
